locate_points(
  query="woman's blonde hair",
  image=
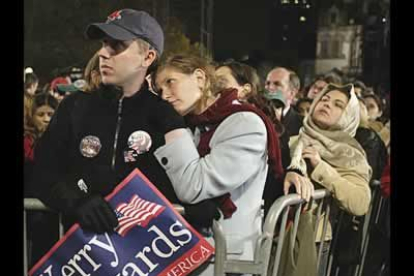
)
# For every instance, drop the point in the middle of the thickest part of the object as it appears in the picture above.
(187, 64)
(92, 75)
(27, 109)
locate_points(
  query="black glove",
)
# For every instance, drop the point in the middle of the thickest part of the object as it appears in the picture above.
(87, 206)
(202, 214)
(166, 117)
(95, 214)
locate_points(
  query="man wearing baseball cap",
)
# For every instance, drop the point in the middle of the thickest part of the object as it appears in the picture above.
(96, 139)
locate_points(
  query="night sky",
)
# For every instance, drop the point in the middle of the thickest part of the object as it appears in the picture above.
(54, 39)
(239, 27)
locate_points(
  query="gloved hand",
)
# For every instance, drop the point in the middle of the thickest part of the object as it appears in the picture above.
(166, 117)
(95, 214)
(202, 214)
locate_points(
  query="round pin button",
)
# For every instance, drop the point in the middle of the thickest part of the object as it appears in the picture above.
(140, 141)
(90, 146)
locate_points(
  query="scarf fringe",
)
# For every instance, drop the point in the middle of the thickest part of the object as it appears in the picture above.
(297, 162)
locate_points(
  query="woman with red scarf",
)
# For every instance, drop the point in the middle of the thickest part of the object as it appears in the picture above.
(225, 153)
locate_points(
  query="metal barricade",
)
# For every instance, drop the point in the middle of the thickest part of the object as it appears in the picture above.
(265, 242)
(34, 204)
(370, 218)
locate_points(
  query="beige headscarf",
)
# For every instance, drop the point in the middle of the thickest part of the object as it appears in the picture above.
(336, 145)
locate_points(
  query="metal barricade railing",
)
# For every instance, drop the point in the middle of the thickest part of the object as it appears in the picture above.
(223, 265)
(260, 264)
(34, 204)
(370, 218)
(294, 201)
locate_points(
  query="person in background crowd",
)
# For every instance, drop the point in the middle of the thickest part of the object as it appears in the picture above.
(75, 83)
(27, 108)
(225, 157)
(288, 83)
(41, 110)
(360, 88)
(326, 153)
(371, 142)
(374, 107)
(278, 103)
(319, 84)
(303, 106)
(46, 89)
(274, 186)
(91, 74)
(233, 74)
(58, 94)
(31, 82)
(42, 227)
(375, 116)
(385, 134)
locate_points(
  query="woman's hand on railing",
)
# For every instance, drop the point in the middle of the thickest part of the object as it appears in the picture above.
(304, 187)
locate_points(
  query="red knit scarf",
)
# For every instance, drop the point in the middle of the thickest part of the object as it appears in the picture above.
(226, 105)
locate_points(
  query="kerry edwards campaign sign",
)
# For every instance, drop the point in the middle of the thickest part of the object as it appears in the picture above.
(151, 239)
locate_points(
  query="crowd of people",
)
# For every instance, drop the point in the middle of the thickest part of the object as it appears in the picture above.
(222, 139)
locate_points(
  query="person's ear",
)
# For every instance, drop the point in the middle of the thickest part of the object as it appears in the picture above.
(200, 77)
(149, 57)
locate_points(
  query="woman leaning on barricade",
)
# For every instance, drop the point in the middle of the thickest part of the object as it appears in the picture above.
(223, 157)
(326, 155)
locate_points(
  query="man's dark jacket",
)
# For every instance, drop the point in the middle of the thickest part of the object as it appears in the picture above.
(292, 122)
(60, 164)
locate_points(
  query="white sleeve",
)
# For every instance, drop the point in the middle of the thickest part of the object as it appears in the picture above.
(238, 150)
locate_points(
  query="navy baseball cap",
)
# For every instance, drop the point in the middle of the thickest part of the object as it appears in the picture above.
(128, 24)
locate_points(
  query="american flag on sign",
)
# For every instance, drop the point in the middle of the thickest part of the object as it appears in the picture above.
(137, 212)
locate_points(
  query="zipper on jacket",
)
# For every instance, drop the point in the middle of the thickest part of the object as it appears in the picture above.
(118, 126)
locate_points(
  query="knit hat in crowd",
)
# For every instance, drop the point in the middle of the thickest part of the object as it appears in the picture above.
(128, 24)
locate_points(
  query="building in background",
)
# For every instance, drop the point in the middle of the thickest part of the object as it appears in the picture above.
(339, 43)
(353, 37)
(314, 37)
